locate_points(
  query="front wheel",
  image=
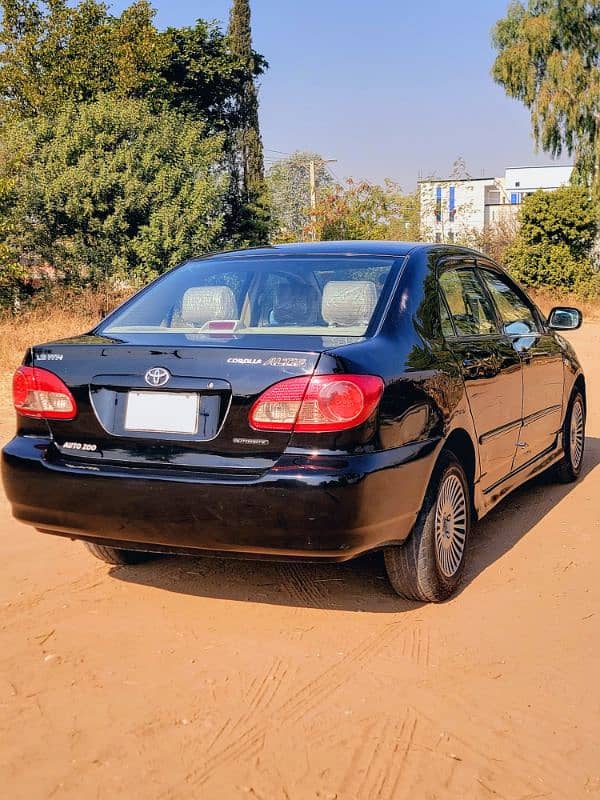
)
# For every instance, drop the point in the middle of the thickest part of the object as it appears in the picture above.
(429, 565)
(116, 556)
(569, 467)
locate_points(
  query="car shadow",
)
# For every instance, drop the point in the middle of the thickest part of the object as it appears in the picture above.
(358, 585)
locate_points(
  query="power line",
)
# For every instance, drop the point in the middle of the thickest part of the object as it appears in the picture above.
(279, 152)
(333, 174)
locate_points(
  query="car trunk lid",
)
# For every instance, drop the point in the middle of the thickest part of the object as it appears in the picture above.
(169, 407)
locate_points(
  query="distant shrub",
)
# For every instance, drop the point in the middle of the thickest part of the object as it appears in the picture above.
(554, 242)
(495, 239)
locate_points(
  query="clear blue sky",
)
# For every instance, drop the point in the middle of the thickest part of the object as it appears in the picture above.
(387, 87)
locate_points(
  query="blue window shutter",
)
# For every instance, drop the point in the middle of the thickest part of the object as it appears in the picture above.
(438, 203)
(452, 203)
(514, 198)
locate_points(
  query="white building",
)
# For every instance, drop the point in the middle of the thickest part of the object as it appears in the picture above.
(453, 209)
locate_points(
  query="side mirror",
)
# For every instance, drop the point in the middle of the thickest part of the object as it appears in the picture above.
(565, 319)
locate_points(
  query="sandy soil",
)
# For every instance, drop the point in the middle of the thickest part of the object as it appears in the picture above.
(201, 678)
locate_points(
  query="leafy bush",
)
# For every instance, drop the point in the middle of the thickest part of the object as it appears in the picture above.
(553, 245)
(115, 191)
(123, 148)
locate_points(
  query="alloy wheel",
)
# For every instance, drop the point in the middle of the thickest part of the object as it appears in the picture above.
(450, 525)
(577, 433)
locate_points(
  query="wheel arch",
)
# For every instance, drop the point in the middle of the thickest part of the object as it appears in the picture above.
(460, 443)
(579, 384)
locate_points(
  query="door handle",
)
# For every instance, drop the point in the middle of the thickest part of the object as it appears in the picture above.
(528, 357)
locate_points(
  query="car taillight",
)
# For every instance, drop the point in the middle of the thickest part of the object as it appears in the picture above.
(42, 394)
(317, 404)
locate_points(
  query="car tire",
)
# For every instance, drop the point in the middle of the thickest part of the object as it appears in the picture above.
(116, 556)
(569, 467)
(429, 565)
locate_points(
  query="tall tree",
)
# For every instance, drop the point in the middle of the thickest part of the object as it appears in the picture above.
(288, 186)
(549, 59)
(249, 141)
(53, 53)
(76, 68)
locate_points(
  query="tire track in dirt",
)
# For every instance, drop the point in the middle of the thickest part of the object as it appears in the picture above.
(377, 767)
(416, 646)
(397, 755)
(260, 696)
(249, 741)
(83, 582)
(302, 589)
(520, 764)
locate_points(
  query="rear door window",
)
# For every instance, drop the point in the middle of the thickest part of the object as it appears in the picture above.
(468, 303)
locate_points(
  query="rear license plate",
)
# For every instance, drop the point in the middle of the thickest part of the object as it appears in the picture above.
(162, 412)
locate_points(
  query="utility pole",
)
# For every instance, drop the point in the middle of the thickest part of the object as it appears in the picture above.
(313, 192)
(313, 199)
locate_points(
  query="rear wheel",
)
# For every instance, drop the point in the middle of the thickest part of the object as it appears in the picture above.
(429, 565)
(569, 467)
(116, 556)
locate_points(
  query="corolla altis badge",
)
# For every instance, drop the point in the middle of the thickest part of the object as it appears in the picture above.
(276, 361)
(157, 376)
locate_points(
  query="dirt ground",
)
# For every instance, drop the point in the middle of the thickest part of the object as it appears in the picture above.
(204, 678)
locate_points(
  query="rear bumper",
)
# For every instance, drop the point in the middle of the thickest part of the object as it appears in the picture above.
(321, 507)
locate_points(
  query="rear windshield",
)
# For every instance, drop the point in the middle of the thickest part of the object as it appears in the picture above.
(288, 296)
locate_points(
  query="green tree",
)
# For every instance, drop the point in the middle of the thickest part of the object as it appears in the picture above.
(60, 62)
(246, 107)
(201, 76)
(53, 53)
(367, 211)
(115, 190)
(13, 273)
(249, 214)
(288, 185)
(549, 59)
(552, 247)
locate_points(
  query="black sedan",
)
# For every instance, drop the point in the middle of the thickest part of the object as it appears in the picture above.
(311, 401)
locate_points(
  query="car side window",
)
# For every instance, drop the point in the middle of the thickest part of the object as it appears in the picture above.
(469, 305)
(446, 322)
(517, 317)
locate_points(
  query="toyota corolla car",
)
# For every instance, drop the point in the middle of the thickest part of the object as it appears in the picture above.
(311, 401)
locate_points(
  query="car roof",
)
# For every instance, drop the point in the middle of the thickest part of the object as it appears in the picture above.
(354, 248)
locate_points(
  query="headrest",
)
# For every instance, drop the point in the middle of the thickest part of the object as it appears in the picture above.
(200, 304)
(348, 302)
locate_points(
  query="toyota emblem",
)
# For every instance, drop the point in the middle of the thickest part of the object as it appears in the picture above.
(157, 376)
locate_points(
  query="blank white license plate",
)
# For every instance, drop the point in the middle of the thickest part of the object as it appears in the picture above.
(162, 412)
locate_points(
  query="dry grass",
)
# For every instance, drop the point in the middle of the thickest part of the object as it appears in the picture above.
(57, 318)
(17, 333)
(32, 327)
(546, 300)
